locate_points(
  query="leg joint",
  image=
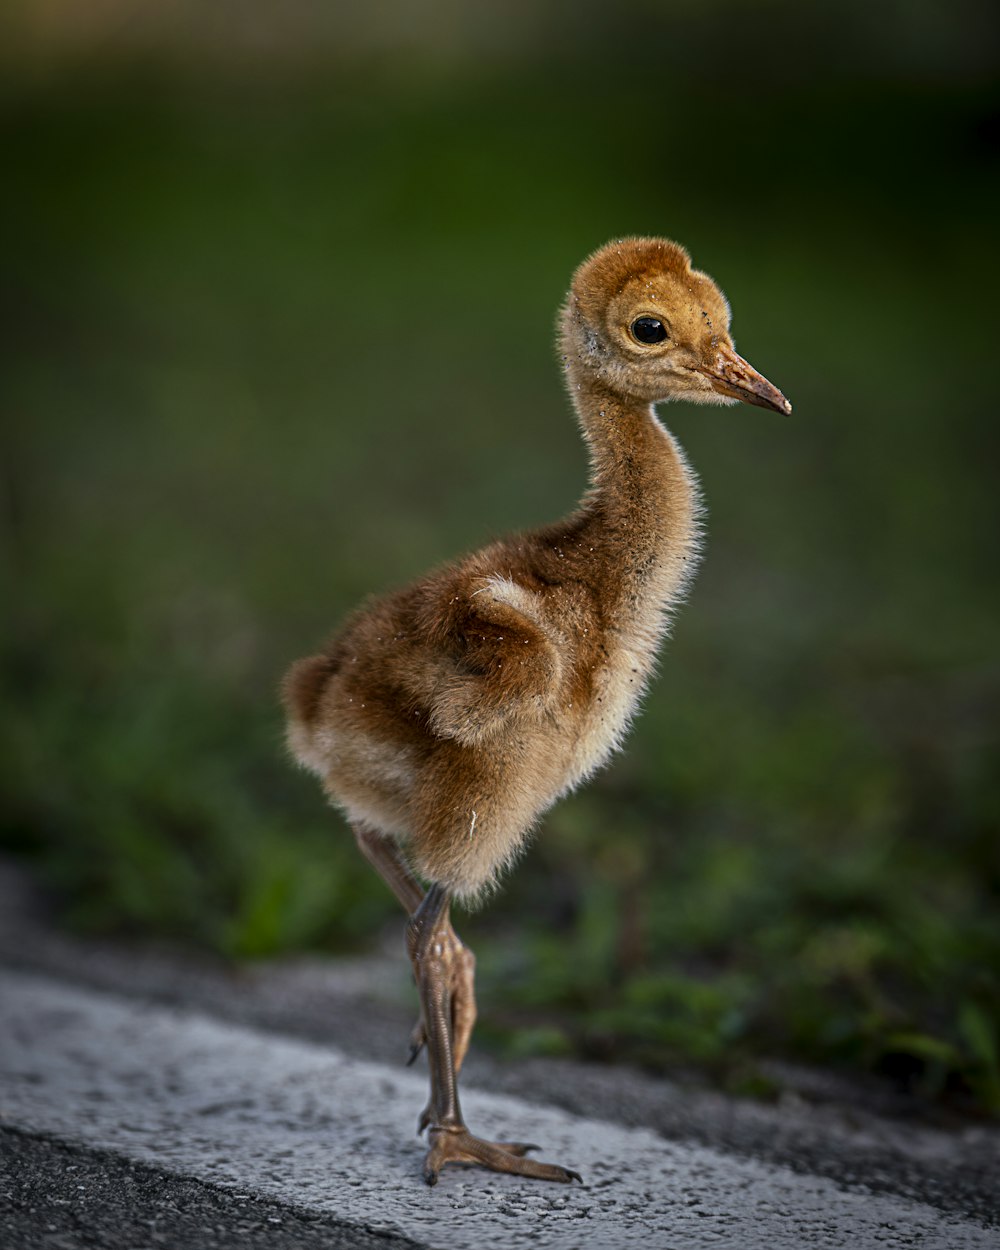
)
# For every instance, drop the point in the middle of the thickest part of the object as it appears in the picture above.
(426, 930)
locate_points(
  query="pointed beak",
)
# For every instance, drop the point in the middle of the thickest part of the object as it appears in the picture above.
(731, 375)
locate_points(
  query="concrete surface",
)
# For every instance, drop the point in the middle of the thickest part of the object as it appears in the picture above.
(316, 1130)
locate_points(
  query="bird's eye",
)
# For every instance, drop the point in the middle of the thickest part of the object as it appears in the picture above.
(648, 330)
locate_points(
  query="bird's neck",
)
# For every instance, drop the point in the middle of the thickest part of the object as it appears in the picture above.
(642, 503)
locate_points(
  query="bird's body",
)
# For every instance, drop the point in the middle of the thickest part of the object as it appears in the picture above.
(451, 714)
(446, 717)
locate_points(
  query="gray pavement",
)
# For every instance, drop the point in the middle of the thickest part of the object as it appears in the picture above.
(317, 1130)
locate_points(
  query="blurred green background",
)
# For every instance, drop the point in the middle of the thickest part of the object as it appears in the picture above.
(278, 289)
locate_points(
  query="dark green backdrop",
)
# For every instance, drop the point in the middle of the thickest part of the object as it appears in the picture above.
(278, 303)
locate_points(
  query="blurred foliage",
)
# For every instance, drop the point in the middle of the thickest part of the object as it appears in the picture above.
(273, 343)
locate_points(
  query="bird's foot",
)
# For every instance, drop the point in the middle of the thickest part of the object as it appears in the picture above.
(457, 1145)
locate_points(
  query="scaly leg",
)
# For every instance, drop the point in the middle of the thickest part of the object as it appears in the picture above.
(451, 1141)
(383, 855)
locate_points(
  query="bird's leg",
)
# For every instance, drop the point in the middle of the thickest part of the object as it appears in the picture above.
(383, 855)
(450, 1140)
(460, 964)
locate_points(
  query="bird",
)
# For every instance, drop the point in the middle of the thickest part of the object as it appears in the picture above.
(444, 718)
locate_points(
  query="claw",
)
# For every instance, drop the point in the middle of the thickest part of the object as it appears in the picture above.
(418, 1039)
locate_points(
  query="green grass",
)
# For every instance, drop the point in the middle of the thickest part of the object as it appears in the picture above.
(270, 350)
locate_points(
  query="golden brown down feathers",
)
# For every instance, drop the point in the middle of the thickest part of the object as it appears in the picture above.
(450, 714)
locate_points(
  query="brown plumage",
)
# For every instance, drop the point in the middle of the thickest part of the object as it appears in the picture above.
(446, 717)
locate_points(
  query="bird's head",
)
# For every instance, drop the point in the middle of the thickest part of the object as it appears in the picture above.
(648, 326)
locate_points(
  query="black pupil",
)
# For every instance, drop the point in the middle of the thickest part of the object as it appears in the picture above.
(648, 330)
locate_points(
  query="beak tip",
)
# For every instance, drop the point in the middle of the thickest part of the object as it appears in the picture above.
(732, 376)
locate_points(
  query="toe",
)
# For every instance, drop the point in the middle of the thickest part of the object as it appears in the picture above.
(459, 1146)
(519, 1148)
